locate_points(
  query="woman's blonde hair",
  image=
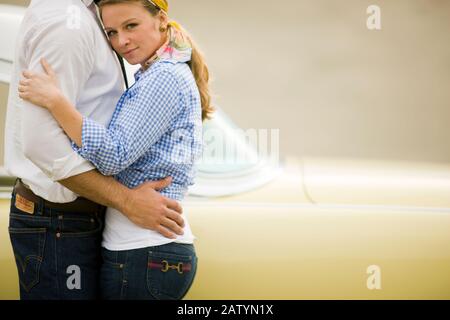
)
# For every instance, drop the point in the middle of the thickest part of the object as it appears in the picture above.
(197, 64)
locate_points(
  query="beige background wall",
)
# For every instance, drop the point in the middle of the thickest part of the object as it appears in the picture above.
(312, 69)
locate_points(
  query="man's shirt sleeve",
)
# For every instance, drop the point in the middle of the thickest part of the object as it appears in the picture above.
(70, 53)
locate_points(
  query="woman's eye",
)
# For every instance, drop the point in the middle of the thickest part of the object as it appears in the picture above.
(131, 25)
(110, 33)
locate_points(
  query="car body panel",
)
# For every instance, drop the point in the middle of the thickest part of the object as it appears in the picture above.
(263, 251)
(377, 182)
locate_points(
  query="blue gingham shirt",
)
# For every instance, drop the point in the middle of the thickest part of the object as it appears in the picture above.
(155, 131)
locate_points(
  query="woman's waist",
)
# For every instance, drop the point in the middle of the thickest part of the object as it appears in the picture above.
(121, 229)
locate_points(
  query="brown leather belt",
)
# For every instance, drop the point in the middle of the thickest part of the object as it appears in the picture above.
(81, 205)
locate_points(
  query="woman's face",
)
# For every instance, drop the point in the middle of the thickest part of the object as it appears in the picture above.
(133, 31)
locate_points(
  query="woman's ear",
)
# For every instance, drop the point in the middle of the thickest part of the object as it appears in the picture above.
(163, 20)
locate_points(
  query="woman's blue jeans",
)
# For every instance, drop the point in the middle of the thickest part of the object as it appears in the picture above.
(163, 272)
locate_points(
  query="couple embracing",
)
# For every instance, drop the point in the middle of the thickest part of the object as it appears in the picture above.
(96, 211)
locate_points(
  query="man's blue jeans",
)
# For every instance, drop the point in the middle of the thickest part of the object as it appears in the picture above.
(163, 272)
(57, 252)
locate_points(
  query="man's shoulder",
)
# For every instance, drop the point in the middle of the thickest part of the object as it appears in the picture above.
(60, 6)
(68, 15)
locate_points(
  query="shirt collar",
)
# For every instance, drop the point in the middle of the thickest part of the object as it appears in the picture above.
(87, 2)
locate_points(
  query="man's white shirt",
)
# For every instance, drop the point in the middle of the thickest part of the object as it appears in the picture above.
(67, 34)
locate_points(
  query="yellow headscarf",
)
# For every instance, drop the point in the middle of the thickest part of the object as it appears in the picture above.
(163, 5)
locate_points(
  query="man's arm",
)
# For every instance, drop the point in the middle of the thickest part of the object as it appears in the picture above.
(71, 53)
(143, 205)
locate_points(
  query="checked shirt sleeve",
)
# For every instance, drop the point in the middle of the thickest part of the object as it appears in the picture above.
(140, 123)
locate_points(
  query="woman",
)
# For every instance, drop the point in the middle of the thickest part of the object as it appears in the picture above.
(154, 132)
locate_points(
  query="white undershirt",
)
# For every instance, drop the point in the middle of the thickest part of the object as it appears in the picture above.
(122, 234)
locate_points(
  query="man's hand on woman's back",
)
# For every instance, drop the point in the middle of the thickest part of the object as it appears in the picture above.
(143, 205)
(146, 207)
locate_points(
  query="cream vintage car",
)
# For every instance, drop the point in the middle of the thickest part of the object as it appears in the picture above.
(297, 228)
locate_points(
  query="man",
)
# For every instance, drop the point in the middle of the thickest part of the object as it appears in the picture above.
(55, 234)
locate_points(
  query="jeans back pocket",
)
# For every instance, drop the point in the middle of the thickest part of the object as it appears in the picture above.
(169, 275)
(28, 246)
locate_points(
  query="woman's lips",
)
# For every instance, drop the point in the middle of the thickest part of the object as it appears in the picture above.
(129, 51)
